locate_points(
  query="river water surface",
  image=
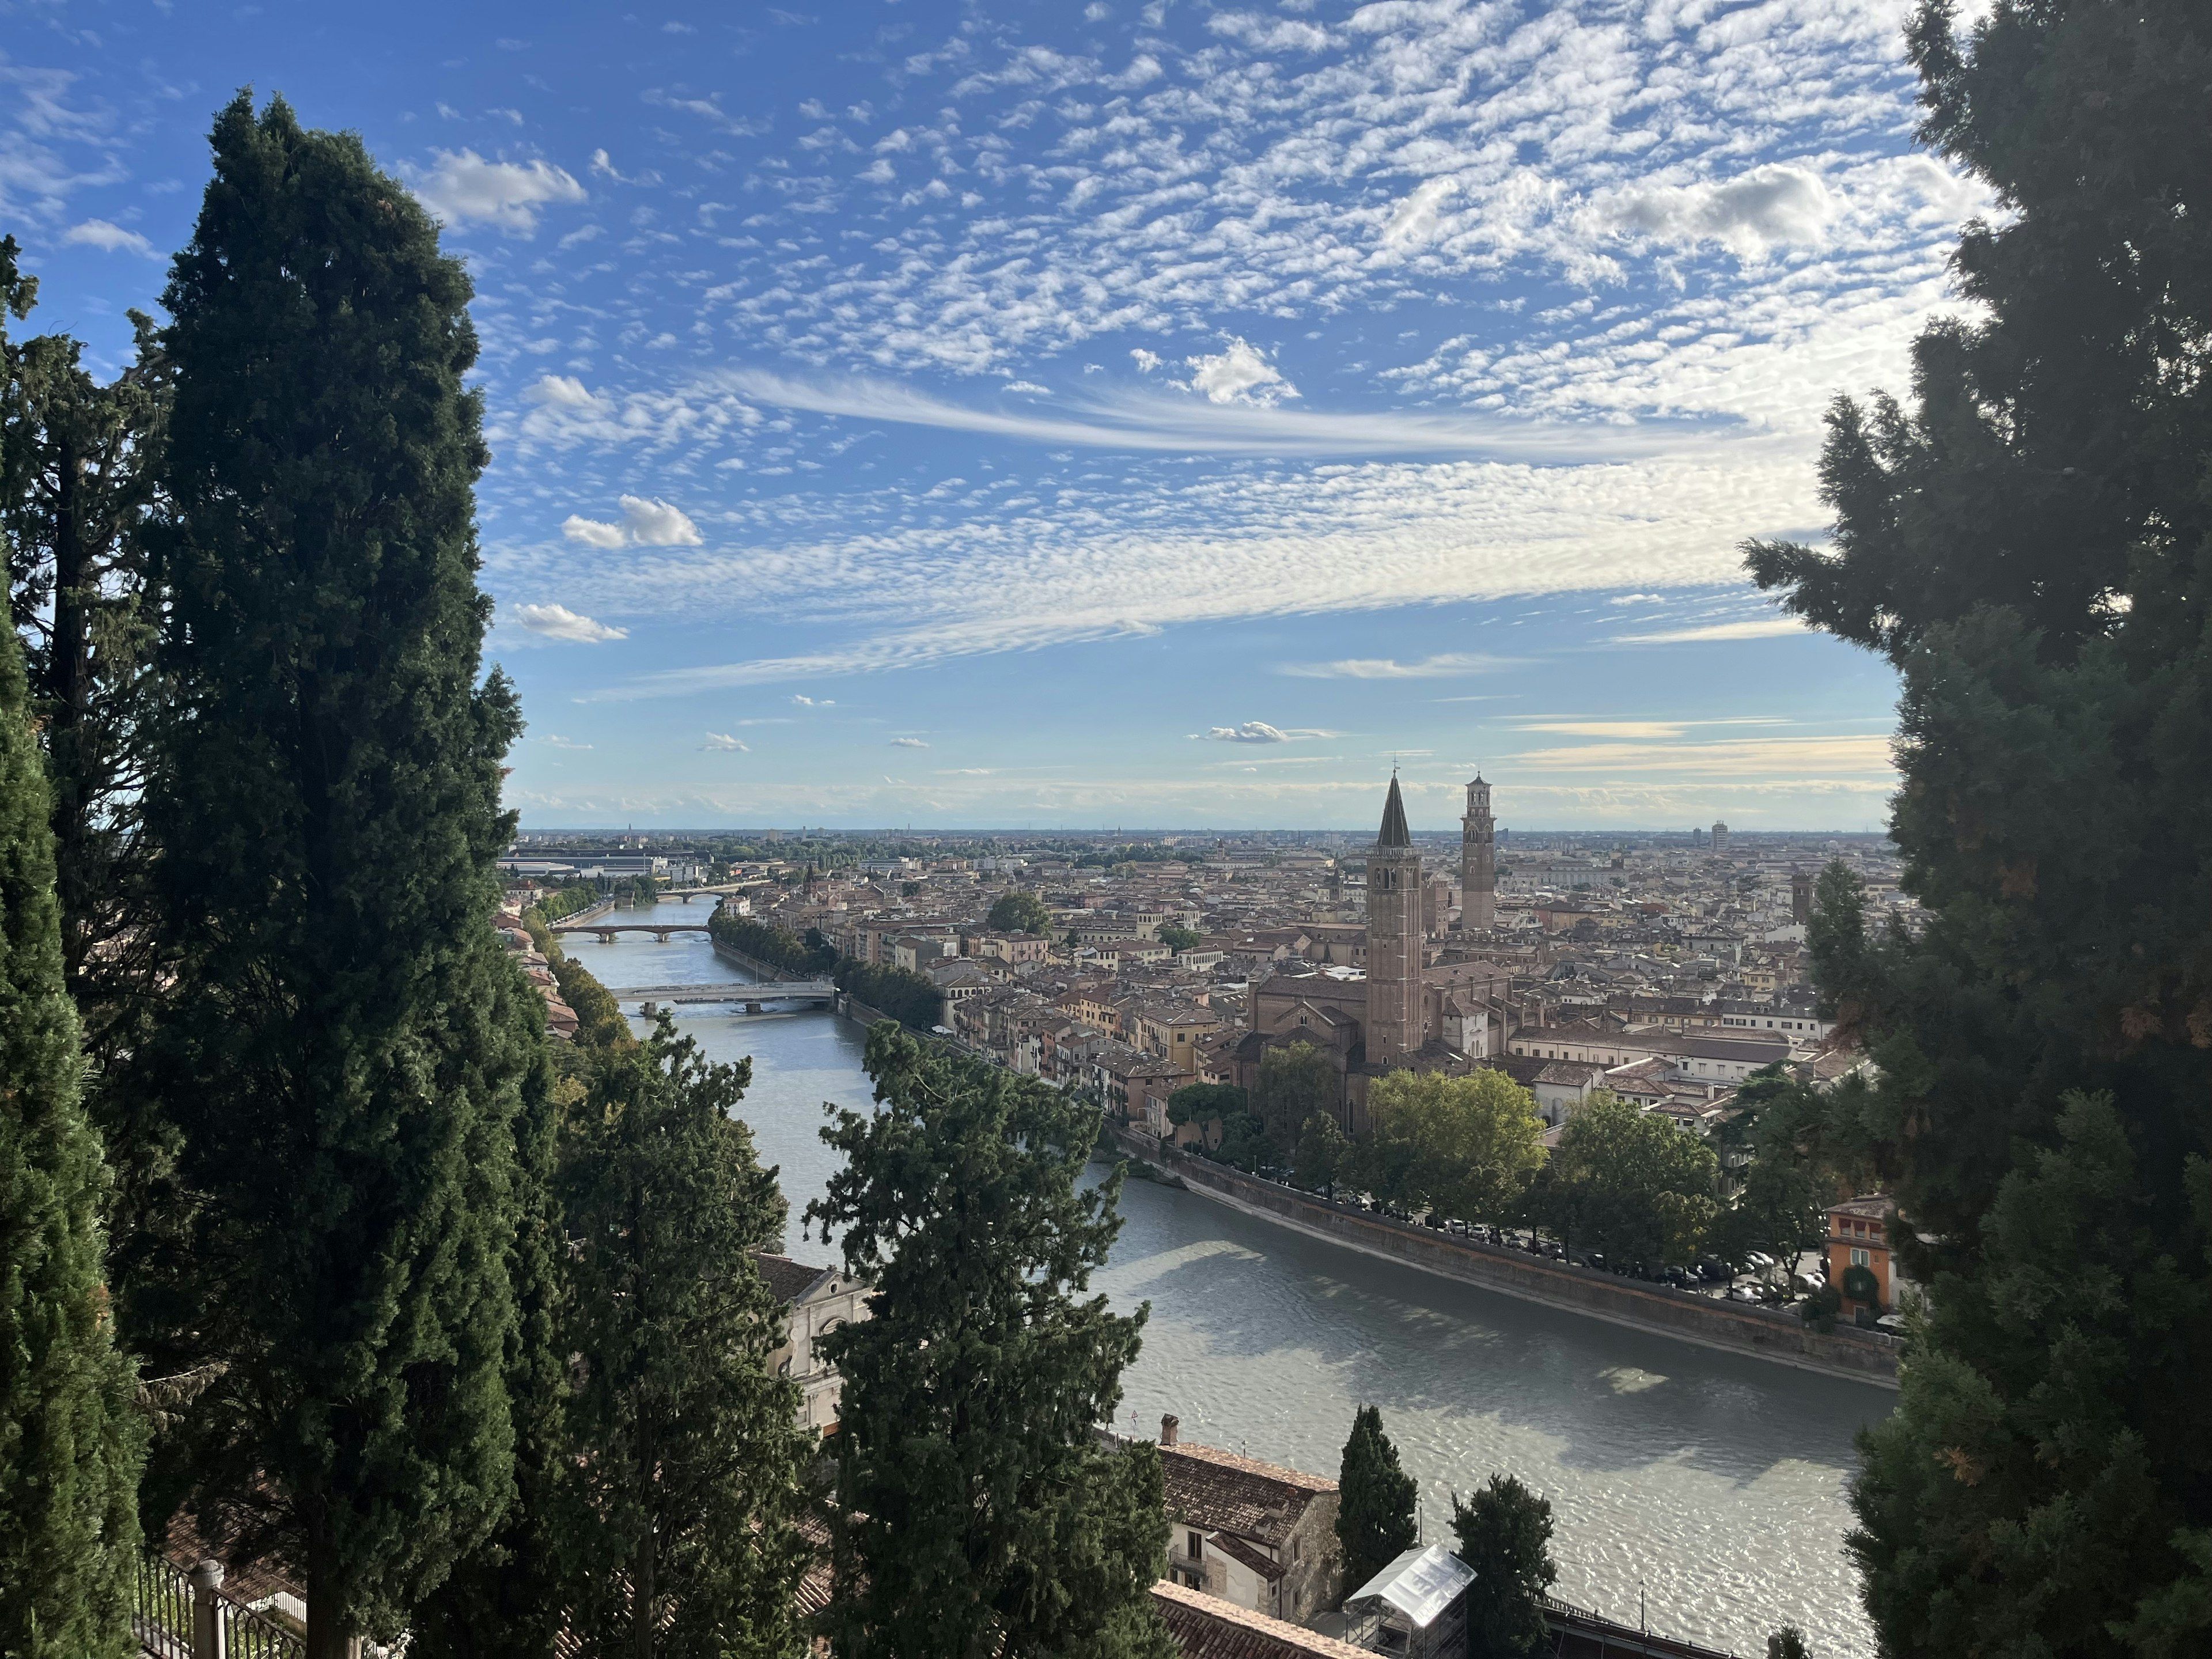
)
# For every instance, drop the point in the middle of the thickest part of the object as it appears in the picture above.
(1712, 1488)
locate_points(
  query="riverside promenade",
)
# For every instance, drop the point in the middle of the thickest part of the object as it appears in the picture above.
(1731, 1328)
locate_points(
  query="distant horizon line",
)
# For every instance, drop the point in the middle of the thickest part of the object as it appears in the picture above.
(1249, 829)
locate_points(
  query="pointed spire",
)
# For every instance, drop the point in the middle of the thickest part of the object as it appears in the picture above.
(1394, 832)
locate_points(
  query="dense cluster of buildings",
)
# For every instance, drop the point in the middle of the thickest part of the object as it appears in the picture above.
(1663, 968)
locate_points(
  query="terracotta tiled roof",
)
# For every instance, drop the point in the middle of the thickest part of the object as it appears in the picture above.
(1248, 1555)
(1206, 1628)
(1222, 1491)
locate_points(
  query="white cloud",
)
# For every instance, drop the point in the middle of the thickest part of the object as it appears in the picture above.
(1769, 628)
(1242, 374)
(1765, 207)
(1442, 667)
(721, 743)
(655, 523)
(591, 533)
(1146, 361)
(646, 522)
(461, 186)
(565, 390)
(1414, 221)
(563, 743)
(1637, 599)
(1259, 732)
(557, 622)
(908, 742)
(109, 238)
(1141, 421)
(804, 701)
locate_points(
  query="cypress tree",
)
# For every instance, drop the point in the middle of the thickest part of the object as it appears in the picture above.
(1504, 1534)
(978, 1513)
(1374, 1519)
(2029, 540)
(80, 472)
(70, 1438)
(683, 1540)
(346, 1047)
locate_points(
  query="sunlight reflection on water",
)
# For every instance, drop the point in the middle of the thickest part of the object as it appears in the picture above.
(1714, 1484)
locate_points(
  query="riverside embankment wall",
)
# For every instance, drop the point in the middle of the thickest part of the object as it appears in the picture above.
(1733, 1328)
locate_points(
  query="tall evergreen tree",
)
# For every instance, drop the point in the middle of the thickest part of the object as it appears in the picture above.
(346, 1047)
(1375, 1521)
(1505, 1533)
(2030, 543)
(686, 1493)
(80, 472)
(70, 1438)
(978, 1514)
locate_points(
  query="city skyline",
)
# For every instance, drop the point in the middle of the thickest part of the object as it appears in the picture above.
(1010, 413)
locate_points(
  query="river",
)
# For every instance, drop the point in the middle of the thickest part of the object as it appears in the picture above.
(1712, 1486)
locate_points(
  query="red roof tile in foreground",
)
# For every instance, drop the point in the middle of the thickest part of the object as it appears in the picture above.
(1206, 1628)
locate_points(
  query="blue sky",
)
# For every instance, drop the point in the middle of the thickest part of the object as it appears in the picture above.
(1120, 415)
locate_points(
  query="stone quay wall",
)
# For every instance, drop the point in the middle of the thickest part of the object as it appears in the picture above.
(1730, 1327)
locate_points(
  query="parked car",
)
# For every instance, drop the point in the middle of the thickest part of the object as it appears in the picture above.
(1742, 1293)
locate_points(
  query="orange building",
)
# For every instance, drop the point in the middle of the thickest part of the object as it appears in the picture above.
(1858, 1238)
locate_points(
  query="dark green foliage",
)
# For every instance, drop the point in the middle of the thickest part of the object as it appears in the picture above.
(978, 1512)
(1179, 939)
(1504, 1534)
(600, 1021)
(1628, 1183)
(685, 1496)
(1228, 1134)
(909, 998)
(1375, 1521)
(1019, 912)
(1204, 1102)
(1787, 1643)
(1296, 1080)
(1245, 1144)
(347, 1048)
(567, 900)
(70, 1439)
(80, 470)
(767, 942)
(2030, 542)
(1324, 1153)
(1806, 1153)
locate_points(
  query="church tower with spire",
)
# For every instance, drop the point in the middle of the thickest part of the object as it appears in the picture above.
(1395, 1010)
(1478, 860)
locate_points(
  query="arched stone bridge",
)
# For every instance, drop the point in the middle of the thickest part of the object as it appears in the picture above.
(605, 931)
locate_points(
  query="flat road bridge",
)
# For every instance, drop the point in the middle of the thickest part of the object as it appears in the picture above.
(794, 990)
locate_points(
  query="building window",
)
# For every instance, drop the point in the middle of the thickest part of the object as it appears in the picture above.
(1197, 1546)
(1859, 1258)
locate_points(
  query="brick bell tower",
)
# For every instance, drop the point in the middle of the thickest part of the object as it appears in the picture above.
(1478, 860)
(1395, 1010)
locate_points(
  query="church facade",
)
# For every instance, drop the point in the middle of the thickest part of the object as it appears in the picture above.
(1426, 1001)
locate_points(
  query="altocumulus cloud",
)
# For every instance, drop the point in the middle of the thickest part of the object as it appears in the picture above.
(908, 742)
(557, 622)
(721, 743)
(460, 186)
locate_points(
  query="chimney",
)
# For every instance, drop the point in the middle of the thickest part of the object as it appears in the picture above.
(1168, 1425)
